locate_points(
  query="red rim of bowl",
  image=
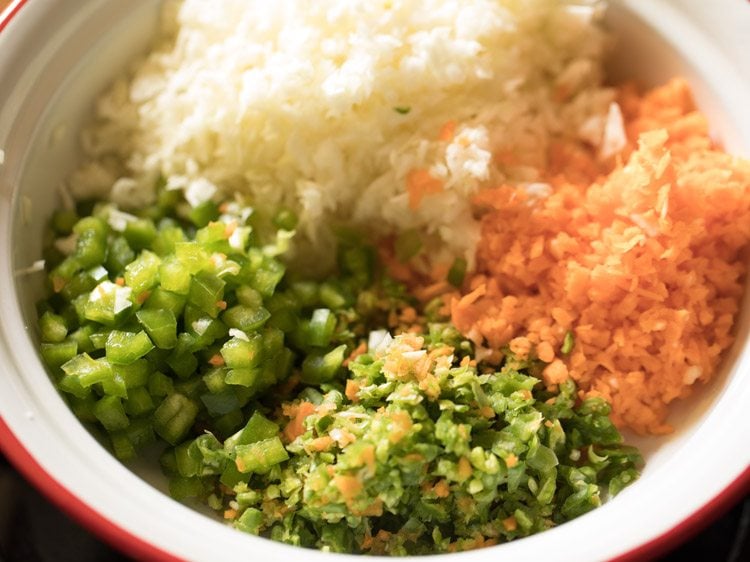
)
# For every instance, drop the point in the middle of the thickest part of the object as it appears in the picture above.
(131, 544)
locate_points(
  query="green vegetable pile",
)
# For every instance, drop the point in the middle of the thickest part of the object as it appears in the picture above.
(419, 453)
(175, 320)
(284, 403)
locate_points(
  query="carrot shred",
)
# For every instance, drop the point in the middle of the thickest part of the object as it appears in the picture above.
(419, 184)
(349, 486)
(296, 425)
(642, 258)
(447, 131)
(216, 360)
(352, 388)
(510, 523)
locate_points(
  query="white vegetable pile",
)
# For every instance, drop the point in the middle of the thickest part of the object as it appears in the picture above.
(327, 107)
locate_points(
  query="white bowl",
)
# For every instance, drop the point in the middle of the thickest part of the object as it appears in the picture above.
(55, 57)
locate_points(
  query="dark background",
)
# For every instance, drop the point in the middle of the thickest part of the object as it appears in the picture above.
(32, 530)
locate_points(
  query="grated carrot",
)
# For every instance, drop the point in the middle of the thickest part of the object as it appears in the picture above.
(352, 388)
(642, 258)
(216, 360)
(447, 131)
(349, 486)
(296, 425)
(464, 468)
(419, 184)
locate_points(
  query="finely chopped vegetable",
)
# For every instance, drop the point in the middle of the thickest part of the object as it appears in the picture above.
(413, 451)
(367, 443)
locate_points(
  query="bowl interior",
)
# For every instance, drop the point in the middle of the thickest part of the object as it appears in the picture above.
(52, 92)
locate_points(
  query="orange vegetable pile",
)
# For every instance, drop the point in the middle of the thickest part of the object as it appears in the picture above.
(643, 258)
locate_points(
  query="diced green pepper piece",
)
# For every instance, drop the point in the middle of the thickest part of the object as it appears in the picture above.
(251, 521)
(81, 337)
(206, 293)
(321, 328)
(245, 318)
(214, 379)
(160, 325)
(258, 428)
(334, 296)
(143, 273)
(359, 262)
(160, 385)
(181, 488)
(107, 303)
(111, 413)
(134, 374)
(72, 385)
(164, 243)
(139, 402)
(249, 297)
(83, 408)
(123, 449)
(91, 245)
(140, 233)
(306, 292)
(181, 360)
(260, 456)
(265, 274)
(213, 235)
(57, 354)
(162, 299)
(52, 328)
(80, 283)
(228, 423)
(193, 256)
(99, 339)
(86, 370)
(64, 272)
(220, 403)
(247, 377)
(204, 213)
(320, 368)
(174, 276)
(241, 354)
(119, 255)
(140, 432)
(125, 347)
(230, 477)
(174, 417)
(202, 328)
(188, 459)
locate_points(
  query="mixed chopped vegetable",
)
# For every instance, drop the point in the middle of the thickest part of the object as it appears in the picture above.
(336, 414)
(413, 451)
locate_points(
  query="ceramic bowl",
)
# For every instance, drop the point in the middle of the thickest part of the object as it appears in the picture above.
(56, 57)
